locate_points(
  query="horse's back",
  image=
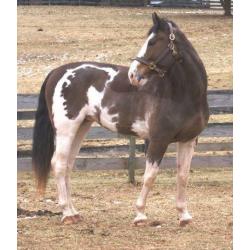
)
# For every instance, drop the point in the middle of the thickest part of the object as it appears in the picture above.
(73, 87)
(83, 74)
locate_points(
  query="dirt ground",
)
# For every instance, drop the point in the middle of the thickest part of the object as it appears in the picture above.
(106, 200)
(49, 36)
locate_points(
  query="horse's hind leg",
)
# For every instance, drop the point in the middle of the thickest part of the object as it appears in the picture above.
(155, 153)
(76, 145)
(65, 135)
(184, 157)
(59, 164)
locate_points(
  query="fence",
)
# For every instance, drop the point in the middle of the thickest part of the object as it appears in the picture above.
(83, 2)
(113, 155)
(215, 4)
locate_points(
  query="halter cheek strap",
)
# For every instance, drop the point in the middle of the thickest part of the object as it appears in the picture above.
(171, 44)
(171, 49)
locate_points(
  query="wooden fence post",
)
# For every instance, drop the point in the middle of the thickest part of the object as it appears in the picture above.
(131, 160)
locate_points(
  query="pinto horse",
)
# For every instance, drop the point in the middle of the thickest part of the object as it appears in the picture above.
(161, 98)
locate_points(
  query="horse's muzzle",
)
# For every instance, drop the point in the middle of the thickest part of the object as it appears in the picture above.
(135, 79)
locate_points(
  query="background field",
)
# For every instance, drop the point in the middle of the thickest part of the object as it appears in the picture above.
(112, 35)
(52, 36)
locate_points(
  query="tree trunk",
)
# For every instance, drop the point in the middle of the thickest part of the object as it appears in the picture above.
(226, 4)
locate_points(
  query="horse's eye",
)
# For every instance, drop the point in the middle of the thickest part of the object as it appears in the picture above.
(151, 42)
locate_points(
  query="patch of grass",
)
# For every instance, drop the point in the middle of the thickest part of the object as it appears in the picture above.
(106, 201)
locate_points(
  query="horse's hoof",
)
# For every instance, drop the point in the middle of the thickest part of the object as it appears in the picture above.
(183, 223)
(140, 219)
(73, 219)
(78, 218)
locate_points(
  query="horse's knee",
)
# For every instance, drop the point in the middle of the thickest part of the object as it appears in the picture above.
(182, 177)
(148, 180)
(149, 176)
(59, 165)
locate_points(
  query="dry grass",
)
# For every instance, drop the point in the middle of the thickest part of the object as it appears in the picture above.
(111, 35)
(105, 200)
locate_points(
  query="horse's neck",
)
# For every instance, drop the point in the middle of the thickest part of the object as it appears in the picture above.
(190, 73)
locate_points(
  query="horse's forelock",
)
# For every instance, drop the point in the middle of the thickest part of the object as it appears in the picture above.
(153, 29)
(163, 26)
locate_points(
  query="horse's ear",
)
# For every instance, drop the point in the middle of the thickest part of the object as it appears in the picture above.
(156, 19)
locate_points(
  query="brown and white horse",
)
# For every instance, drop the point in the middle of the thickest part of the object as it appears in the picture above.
(161, 98)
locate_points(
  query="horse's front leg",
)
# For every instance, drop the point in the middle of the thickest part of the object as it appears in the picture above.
(184, 156)
(155, 153)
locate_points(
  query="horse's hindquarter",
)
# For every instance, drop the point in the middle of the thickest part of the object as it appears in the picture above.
(94, 91)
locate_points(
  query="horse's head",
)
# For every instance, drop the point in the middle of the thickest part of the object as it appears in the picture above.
(156, 53)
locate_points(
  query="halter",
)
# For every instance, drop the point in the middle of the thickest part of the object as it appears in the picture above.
(170, 49)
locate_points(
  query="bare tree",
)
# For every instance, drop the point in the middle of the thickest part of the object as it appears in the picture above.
(226, 4)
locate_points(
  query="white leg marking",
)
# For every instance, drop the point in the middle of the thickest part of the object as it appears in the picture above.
(76, 145)
(66, 131)
(148, 181)
(60, 165)
(184, 157)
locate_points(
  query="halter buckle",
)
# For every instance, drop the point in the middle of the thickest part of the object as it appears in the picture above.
(152, 66)
(172, 36)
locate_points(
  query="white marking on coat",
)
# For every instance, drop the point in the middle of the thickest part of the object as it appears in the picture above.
(144, 47)
(141, 127)
(95, 97)
(185, 152)
(148, 181)
(59, 113)
(185, 216)
(106, 119)
(142, 52)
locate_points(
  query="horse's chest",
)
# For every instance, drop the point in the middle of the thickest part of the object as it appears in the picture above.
(141, 128)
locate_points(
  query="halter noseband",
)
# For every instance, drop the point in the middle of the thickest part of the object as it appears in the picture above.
(171, 48)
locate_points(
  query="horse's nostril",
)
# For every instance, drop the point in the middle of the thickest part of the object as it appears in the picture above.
(138, 78)
(131, 75)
